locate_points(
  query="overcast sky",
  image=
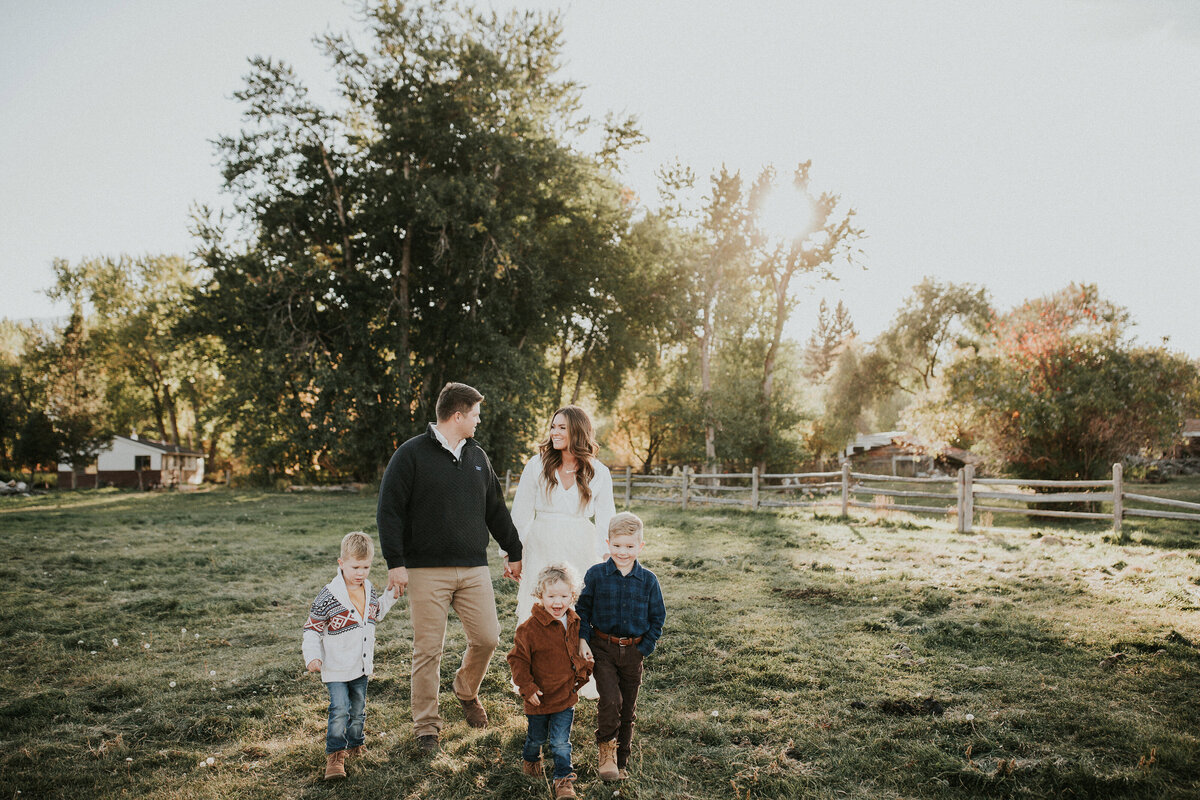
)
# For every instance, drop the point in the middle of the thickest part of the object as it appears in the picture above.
(1020, 145)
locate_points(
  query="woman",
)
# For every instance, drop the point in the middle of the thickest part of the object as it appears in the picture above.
(561, 488)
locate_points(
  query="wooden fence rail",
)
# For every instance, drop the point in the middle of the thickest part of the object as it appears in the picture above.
(842, 489)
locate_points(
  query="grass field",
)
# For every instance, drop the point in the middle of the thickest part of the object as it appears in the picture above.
(145, 634)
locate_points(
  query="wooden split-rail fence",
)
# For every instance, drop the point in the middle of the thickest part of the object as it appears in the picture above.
(960, 497)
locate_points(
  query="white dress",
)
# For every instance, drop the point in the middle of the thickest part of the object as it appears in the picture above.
(554, 528)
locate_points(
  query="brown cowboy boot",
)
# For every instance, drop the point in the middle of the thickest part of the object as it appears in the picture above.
(335, 765)
(565, 787)
(607, 768)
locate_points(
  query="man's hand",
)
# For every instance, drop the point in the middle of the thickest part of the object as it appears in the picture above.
(314, 665)
(535, 698)
(585, 650)
(512, 569)
(398, 580)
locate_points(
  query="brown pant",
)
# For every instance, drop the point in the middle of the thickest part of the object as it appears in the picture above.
(618, 672)
(431, 593)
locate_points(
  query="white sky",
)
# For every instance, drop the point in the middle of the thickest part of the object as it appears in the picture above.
(1019, 144)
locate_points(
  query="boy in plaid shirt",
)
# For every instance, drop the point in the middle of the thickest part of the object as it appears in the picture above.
(621, 615)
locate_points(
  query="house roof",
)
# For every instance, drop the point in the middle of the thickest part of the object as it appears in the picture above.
(870, 441)
(1191, 428)
(165, 447)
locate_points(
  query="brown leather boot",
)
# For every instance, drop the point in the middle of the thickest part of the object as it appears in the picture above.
(335, 765)
(356, 752)
(533, 769)
(607, 768)
(475, 713)
(565, 787)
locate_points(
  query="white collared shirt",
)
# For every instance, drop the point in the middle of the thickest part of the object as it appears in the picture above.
(455, 451)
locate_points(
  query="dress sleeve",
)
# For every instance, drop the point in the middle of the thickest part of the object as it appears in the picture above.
(523, 501)
(603, 506)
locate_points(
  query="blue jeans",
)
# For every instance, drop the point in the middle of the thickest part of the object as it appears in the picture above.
(347, 714)
(557, 728)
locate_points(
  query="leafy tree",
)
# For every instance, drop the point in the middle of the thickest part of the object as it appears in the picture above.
(443, 224)
(828, 236)
(37, 444)
(935, 320)
(155, 378)
(69, 392)
(1059, 392)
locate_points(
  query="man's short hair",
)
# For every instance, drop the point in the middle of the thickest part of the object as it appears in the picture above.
(357, 544)
(553, 574)
(625, 523)
(456, 397)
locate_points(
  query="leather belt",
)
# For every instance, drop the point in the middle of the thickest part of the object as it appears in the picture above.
(623, 641)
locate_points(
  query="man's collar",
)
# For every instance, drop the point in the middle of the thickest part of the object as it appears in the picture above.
(441, 438)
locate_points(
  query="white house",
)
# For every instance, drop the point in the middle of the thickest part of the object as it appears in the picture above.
(131, 461)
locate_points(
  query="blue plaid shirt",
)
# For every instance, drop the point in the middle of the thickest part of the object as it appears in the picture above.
(622, 605)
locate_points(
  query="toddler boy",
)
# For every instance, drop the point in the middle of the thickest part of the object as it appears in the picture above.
(339, 641)
(548, 668)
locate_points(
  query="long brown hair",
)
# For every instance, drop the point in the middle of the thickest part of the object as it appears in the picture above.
(582, 445)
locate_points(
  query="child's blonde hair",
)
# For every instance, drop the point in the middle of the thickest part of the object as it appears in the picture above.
(625, 524)
(553, 574)
(357, 544)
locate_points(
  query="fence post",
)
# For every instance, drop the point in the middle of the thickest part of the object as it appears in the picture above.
(684, 496)
(754, 488)
(628, 485)
(968, 512)
(1118, 496)
(507, 481)
(845, 488)
(962, 500)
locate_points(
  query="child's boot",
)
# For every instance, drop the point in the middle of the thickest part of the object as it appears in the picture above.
(607, 769)
(356, 752)
(565, 787)
(335, 765)
(532, 768)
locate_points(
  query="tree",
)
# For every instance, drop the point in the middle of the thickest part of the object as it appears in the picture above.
(442, 224)
(70, 393)
(827, 236)
(36, 444)
(834, 329)
(1058, 392)
(934, 321)
(155, 378)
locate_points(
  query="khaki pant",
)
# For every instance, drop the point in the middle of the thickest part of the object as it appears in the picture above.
(432, 591)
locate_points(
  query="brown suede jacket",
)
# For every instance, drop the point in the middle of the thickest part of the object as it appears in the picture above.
(545, 656)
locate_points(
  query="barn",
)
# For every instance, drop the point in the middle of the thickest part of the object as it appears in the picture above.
(134, 462)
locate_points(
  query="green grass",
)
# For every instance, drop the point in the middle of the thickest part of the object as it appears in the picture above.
(800, 659)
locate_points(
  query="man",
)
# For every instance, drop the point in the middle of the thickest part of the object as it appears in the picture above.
(438, 501)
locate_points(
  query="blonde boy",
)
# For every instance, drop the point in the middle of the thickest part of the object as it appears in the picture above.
(548, 669)
(621, 615)
(339, 642)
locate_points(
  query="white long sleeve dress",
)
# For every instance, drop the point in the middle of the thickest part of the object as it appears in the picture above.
(554, 528)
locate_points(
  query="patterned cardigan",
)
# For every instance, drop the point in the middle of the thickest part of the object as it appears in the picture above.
(339, 636)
